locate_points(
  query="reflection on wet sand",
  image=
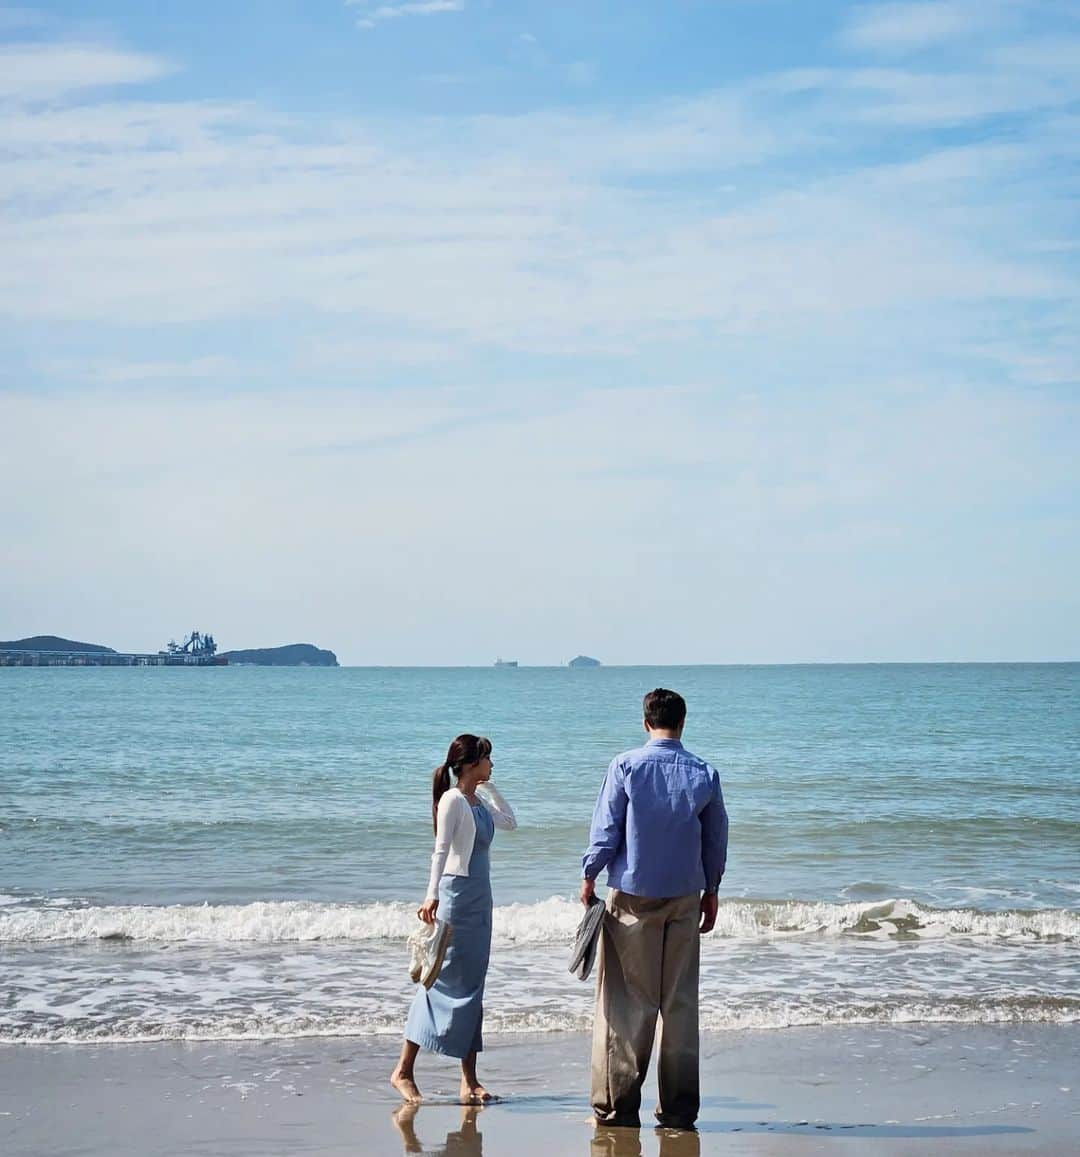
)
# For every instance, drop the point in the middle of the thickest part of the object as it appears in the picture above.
(618, 1142)
(467, 1141)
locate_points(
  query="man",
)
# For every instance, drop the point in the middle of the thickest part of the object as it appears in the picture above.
(660, 828)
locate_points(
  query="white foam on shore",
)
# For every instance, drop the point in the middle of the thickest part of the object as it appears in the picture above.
(233, 987)
(522, 1018)
(551, 921)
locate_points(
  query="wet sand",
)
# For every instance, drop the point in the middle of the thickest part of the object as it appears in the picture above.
(1009, 1089)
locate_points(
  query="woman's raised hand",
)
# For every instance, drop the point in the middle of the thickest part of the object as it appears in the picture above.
(426, 911)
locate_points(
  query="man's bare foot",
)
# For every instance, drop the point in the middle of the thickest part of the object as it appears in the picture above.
(474, 1093)
(406, 1086)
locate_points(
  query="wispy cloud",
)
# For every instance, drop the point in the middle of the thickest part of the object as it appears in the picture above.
(819, 203)
(146, 373)
(135, 213)
(902, 27)
(1007, 82)
(379, 13)
(34, 72)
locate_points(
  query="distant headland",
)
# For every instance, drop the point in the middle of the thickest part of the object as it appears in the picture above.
(584, 661)
(196, 650)
(291, 655)
(53, 643)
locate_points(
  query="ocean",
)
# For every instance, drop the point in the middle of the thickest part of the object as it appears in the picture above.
(238, 852)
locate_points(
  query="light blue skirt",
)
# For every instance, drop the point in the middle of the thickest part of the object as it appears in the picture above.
(448, 1017)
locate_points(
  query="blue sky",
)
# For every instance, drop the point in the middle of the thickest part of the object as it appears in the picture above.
(427, 330)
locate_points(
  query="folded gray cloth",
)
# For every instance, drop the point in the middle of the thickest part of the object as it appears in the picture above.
(587, 939)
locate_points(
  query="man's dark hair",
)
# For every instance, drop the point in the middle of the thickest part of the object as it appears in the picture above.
(664, 709)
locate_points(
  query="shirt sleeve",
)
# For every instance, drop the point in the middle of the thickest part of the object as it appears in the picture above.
(501, 812)
(449, 817)
(608, 829)
(714, 837)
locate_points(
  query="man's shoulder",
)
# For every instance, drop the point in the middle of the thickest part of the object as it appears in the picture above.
(696, 765)
(705, 767)
(700, 761)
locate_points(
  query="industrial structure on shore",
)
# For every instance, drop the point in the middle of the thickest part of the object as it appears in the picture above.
(197, 650)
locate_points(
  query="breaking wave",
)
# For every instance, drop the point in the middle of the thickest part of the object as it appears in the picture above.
(524, 1018)
(551, 921)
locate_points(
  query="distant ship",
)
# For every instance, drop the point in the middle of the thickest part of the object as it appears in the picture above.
(506, 662)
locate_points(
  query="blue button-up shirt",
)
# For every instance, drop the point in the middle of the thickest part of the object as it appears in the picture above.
(659, 826)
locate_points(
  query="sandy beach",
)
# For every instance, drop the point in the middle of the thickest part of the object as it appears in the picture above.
(889, 1091)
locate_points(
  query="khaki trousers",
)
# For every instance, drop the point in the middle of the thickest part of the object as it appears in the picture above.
(648, 967)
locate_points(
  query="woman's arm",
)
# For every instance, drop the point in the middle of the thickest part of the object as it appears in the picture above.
(449, 817)
(501, 812)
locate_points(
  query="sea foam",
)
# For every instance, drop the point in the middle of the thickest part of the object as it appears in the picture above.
(524, 1018)
(551, 921)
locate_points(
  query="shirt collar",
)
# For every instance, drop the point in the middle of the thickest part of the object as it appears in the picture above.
(673, 743)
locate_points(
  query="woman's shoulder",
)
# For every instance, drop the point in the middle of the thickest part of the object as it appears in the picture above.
(451, 798)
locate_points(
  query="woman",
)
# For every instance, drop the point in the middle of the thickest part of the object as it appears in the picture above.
(448, 1017)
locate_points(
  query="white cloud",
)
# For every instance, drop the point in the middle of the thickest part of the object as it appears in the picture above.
(902, 27)
(375, 14)
(574, 232)
(521, 233)
(426, 7)
(34, 72)
(149, 373)
(1026, 76)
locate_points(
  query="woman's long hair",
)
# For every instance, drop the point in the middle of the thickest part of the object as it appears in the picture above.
(464, 750)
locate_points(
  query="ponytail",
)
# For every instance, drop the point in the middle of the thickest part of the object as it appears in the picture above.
(440, 785)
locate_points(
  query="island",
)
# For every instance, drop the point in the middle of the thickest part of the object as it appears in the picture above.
(291, 655)
(584, 661)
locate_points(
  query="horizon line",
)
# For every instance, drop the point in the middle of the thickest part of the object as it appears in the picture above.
(780, 663)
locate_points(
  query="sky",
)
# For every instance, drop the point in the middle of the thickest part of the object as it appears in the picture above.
(433, 331)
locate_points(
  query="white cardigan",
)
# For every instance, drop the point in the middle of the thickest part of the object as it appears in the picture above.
(456, 832)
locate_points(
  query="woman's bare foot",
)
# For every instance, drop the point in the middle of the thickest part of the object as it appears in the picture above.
(473, 1093)
(406, 1086)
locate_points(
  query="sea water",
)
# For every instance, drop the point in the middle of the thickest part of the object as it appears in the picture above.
(239, 852)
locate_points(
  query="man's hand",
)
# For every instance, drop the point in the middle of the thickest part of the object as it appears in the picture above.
(710, 905)
(588, 887)
(427, 910)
